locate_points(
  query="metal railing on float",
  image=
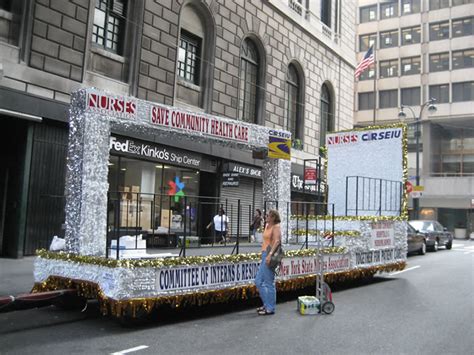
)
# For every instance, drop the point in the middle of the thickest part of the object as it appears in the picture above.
(140, 221)
(308, 223)
(372, 196)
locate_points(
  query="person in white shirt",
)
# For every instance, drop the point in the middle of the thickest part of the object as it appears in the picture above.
(221, 225)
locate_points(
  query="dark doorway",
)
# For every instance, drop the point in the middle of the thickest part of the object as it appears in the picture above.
(13, 133)
(207, 204)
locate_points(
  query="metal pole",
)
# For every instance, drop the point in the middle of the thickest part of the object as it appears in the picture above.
(347, 191)
(238, 225)
(250, 221)
(380, 198)
(417, 177)
(185, 230)
(332, 219)
(304, 180)
(307, 222)
(287, 220)
(357, 195)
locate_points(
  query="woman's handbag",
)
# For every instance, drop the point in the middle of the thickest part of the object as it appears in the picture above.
(276, 258)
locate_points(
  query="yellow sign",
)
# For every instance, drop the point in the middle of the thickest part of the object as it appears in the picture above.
(418, 188)
(279, 147)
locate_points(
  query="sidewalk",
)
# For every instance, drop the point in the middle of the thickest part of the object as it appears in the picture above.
(16, 276)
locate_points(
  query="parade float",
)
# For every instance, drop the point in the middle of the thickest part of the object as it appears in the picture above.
(365, 172)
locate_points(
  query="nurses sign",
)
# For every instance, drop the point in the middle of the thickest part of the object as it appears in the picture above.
(366, 169)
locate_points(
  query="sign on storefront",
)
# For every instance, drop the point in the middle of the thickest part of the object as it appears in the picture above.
(244, 170)
(310, 176)
(155, 152)
(230, 179)
(279, 144)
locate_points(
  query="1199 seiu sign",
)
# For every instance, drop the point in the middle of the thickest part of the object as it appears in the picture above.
(154, 152)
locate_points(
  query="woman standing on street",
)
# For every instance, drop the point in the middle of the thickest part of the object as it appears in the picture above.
(265, 279)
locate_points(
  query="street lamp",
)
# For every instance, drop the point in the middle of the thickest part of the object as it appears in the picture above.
(417, 120)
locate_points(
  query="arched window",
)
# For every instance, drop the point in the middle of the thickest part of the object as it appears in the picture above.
(294, 90)
(249, 82)
(195, 53)
(327, 116)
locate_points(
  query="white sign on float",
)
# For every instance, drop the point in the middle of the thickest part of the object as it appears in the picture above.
(366, 168)
(382, 235)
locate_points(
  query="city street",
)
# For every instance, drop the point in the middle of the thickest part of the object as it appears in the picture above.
(425, 309)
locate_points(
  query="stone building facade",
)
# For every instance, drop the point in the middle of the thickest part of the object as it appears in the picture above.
(283, 64)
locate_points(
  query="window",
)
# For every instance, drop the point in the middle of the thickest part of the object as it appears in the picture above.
(463, 91)
(5, 5)
(368, 13)
(327, 115)
(295, 105)
(439, 31)
(438, 4)
(366, 101)
(367, 74)
(366, 41)
(463, 59)
(109, 24)
(195, 53)
(389, 39)
(454, 156)
(326, 12)
(411, 65)
(249, 70)
(388, 98)
(389, 68)
(152, 180)
(189, 53)
(463, 27)
(439, 62)
(411, 35)
(462, 2)
(440, 93)
(298, 7)
(410, 96)
(389, 10)
(410, 7)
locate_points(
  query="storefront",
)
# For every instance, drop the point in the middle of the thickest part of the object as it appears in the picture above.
(246, 187)
(33, 145)
(304, 192)
(159, 188)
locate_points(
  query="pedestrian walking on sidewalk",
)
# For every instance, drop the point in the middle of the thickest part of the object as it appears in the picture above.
(221, 226)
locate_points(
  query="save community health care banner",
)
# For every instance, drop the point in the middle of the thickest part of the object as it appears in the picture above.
(372, 154)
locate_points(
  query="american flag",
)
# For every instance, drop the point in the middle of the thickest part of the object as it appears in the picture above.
(366, 62)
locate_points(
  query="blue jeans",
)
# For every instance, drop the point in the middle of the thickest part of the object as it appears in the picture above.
(265, 282)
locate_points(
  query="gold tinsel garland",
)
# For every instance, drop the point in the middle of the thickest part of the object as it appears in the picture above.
(326, 234)
(141, 306)
(176, 261)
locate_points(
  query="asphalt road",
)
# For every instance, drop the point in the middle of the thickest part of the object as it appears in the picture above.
(426, 309)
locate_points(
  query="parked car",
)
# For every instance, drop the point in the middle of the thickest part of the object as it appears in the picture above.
(416, 241)
(436, 235)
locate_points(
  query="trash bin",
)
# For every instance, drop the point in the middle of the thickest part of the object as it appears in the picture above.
(460, 233)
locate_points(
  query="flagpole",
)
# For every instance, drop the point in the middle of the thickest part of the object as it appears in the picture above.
(375, 81)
